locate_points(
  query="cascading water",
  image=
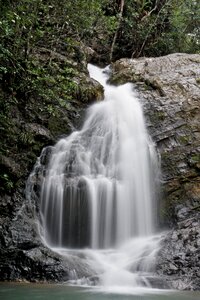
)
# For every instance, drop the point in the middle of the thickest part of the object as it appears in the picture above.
(98, 193)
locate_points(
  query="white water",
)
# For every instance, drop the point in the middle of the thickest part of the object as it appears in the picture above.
(99, 190)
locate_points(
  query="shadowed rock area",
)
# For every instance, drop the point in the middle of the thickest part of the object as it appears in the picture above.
(34, 123)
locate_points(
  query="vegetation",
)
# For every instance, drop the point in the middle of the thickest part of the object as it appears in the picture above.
(42, 52)
(125, 28)
(158, 27)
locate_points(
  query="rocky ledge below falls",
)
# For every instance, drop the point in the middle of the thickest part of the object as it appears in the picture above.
(179, 258)
(169, 88)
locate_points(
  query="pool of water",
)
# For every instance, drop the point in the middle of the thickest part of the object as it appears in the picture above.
(24, 291)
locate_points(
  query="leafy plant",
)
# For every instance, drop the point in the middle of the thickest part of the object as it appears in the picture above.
(7, 183)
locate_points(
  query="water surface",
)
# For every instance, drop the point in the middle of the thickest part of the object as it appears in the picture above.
(11, 291)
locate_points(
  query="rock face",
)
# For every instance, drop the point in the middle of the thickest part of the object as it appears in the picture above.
(179, 258)
(169, 88)
(30, 125)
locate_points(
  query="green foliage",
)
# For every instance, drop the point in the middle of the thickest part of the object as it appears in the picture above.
(184, 33)
(149, 27)
(154, 28)
(6, 182)
(26, 138)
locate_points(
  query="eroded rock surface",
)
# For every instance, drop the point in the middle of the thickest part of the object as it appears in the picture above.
(179, 258)
(169, 88)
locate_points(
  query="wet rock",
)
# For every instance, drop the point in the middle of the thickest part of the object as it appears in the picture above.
(24, 256)
(41, 133)
(33, 265)
(158, 282)
(179, 258)
(182, 212)
(10, 166)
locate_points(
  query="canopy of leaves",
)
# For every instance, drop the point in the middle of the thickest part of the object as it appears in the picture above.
(147, 27)
(158, 27)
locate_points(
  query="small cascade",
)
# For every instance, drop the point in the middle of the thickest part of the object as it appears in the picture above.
(98, 195)
(127, 269)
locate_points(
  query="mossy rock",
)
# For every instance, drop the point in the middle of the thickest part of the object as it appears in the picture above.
(194, 160)
(59, 125)
(118, 78)
(90, 92)
(198, 80)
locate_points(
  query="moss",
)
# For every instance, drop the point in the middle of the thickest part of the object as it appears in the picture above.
(184, 140)
(124, 77)
(195, 158)
(146, 87)
(157, 116)
(155, 85)
(198, 80)
(194, 161)
(169, 202)
(59, 125)
(160, 115)
(116, 80)
(25, 138)
(89, 93)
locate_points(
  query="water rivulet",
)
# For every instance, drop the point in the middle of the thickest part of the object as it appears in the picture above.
(98, 193)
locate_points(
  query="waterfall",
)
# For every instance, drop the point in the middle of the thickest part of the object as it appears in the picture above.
(99, 188)
(98, 193)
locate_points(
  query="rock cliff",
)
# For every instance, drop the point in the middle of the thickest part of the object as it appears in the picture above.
(33, 120)
(169, 88)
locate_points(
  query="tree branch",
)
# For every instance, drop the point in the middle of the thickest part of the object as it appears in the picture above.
(116, 32)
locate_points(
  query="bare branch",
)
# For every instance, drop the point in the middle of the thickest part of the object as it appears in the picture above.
(116, 32)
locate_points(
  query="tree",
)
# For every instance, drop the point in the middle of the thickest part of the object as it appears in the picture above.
(154, 27)
(121, 9)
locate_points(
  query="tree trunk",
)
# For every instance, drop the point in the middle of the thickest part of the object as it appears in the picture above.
(116, 32)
